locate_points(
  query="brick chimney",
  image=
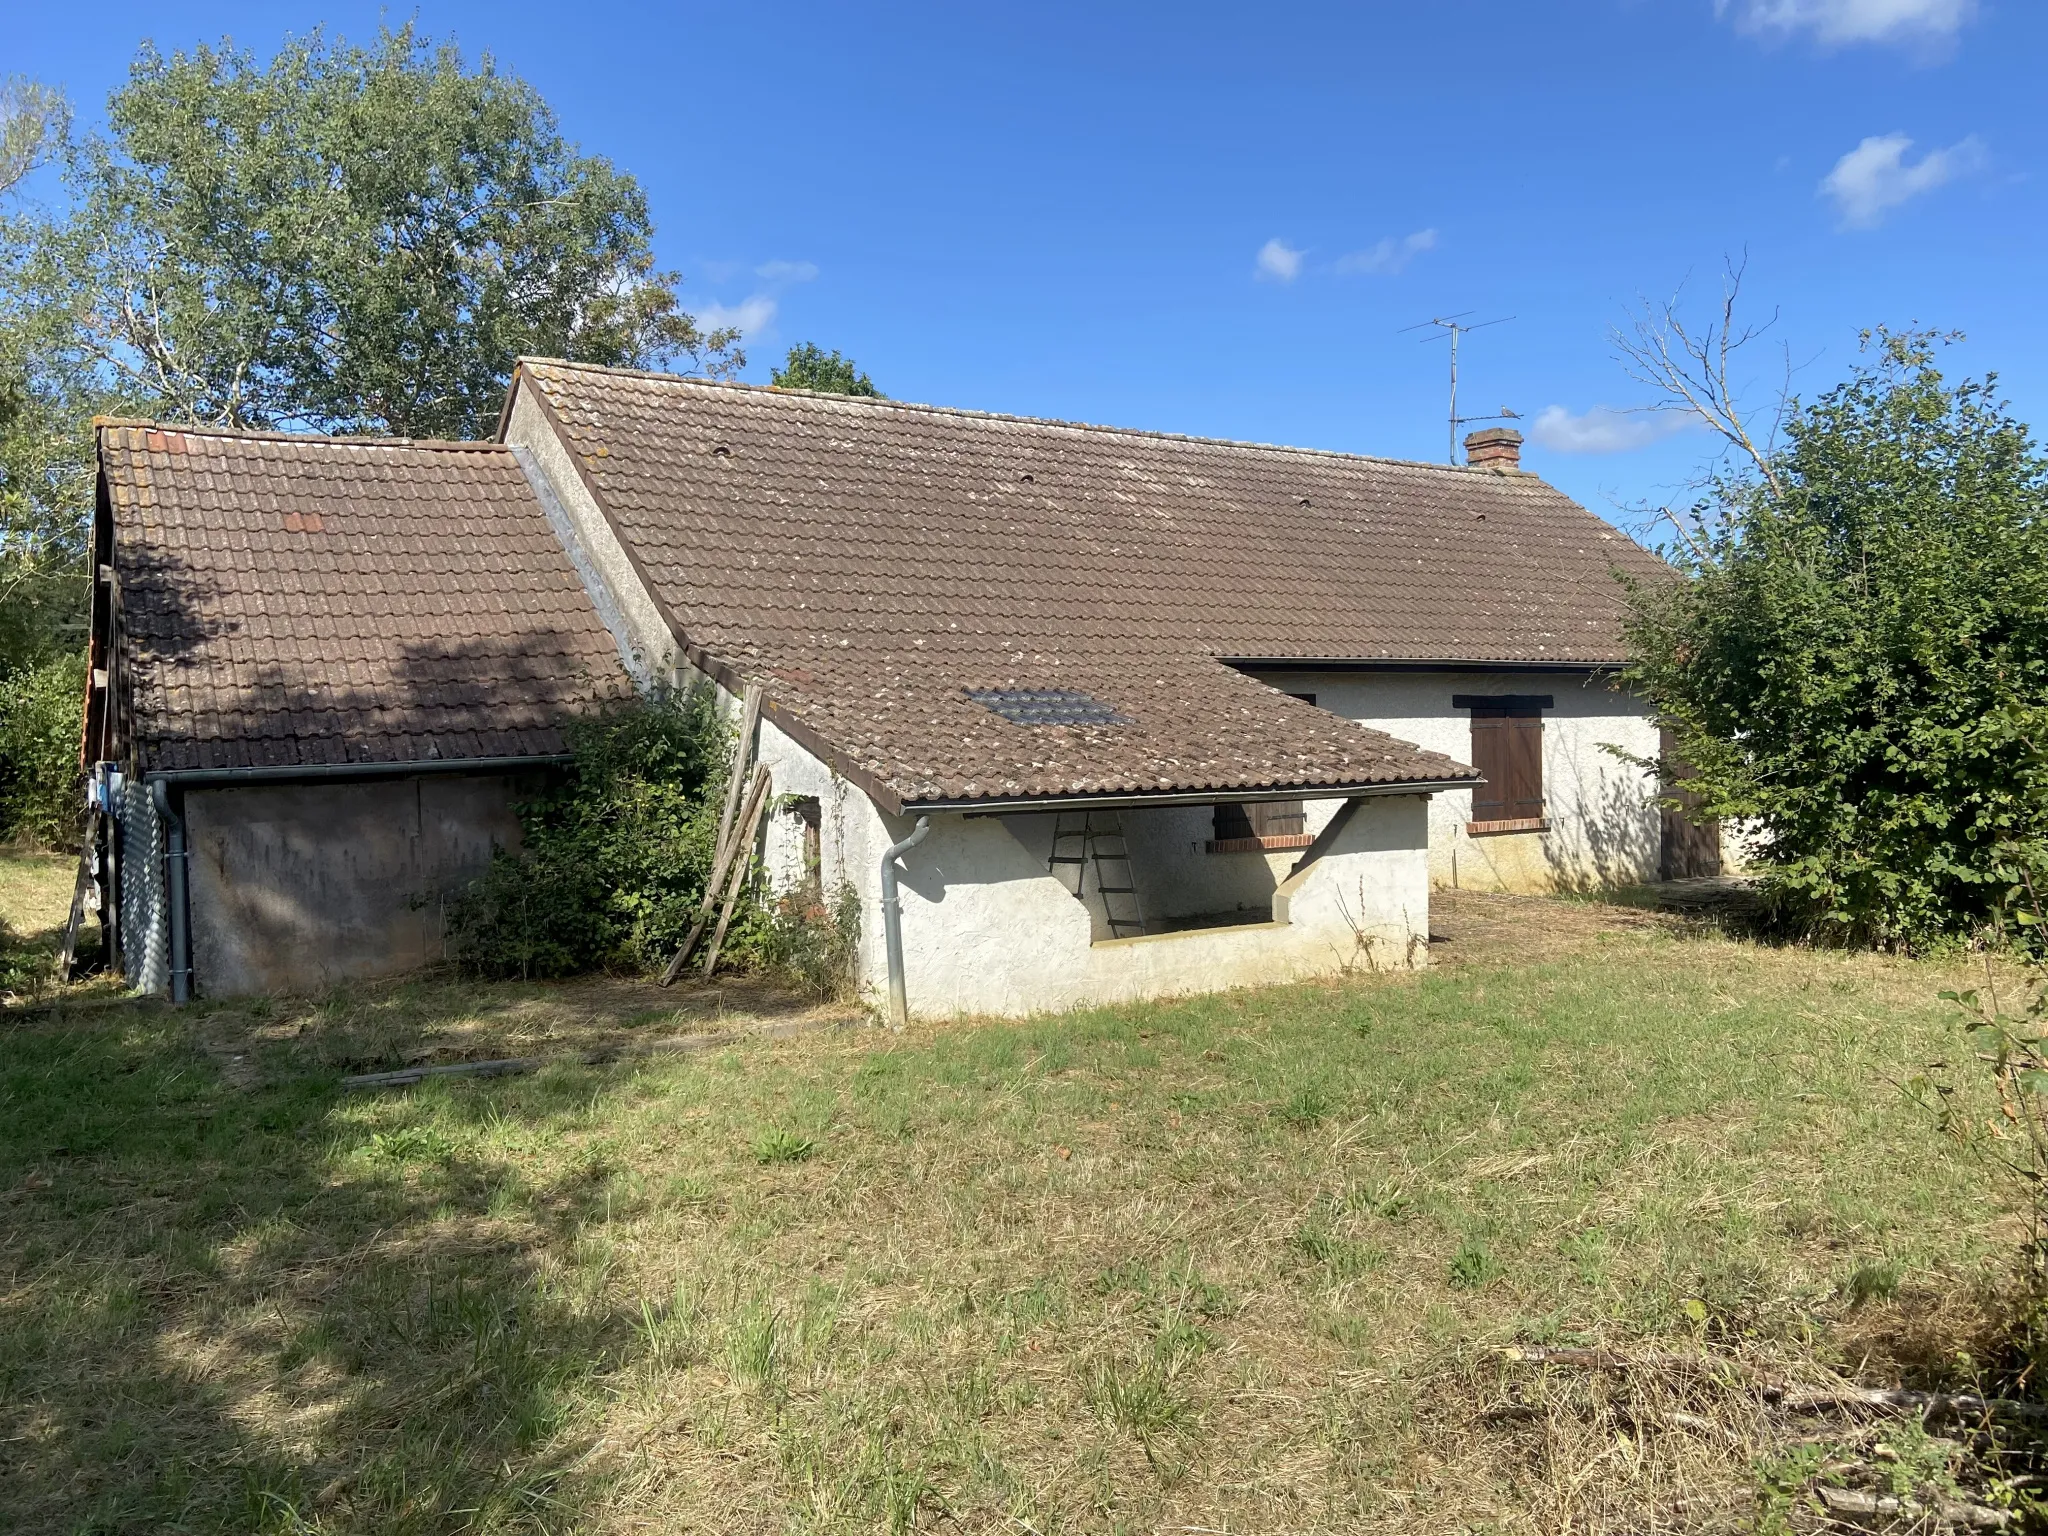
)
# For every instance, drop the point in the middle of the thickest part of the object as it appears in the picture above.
(1496, 448)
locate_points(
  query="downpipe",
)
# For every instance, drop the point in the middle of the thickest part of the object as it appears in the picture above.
(178, 895)
(892, 922)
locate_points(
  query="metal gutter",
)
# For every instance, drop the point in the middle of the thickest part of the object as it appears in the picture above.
(1139, 800)
(1364, 664)
(892, 921)
(205, 778)
(178, 892)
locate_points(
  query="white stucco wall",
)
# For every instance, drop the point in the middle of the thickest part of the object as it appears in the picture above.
(988, 929)
(1604, 826)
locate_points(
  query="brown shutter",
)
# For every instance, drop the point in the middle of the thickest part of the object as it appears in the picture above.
(1490, 757)
(1279, 818)
(1525, 770)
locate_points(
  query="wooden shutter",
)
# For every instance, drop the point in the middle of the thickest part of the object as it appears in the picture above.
(1279, 818)
(1507, 747)
(1490, 757)
(1525, 767)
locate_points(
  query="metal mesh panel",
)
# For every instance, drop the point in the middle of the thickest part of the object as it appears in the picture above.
(145, 934)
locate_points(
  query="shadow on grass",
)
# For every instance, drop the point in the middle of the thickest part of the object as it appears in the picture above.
(276, 1309)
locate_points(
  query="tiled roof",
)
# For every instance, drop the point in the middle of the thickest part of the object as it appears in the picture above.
(872, 561)
(292, 601)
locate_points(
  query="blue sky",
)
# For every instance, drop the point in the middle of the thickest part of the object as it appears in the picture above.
(1217, 220)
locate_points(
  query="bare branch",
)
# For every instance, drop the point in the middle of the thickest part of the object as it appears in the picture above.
(1692, 370)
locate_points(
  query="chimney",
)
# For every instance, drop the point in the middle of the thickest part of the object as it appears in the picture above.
(1496, 448)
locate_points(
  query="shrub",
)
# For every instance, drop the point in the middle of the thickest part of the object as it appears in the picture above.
(615, 853)
(41, 712)
(810, 943)
(1859, 666)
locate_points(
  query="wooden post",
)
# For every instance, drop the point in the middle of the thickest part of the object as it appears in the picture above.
(735, 786)
(756, 793)
(78, 889)
(756, 804)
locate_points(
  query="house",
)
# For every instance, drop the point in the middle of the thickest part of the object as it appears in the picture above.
(1139, 713)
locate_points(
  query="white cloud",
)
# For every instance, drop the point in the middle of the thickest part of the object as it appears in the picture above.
(751, 315)
(1278, 262)
(1874, 178)
(1833, 22)
(786, 271)
(1603, 429)
(1387, 256)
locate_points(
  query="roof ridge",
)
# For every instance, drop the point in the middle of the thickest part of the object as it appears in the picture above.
(269, 435)
(873, 402)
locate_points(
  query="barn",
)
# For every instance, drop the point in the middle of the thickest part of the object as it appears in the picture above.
(1074, 713)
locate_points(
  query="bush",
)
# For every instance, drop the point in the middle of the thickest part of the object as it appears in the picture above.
(810, 943)
(41, 717)
(1859, 666)
(615, 853)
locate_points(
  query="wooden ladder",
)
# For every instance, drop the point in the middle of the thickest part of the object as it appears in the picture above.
(1086, 840)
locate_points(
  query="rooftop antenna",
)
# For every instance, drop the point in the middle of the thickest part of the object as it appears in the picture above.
(1454, 326)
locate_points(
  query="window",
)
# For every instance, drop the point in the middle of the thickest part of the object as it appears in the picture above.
(1507, 747)
(1263, 824)
(810, 878)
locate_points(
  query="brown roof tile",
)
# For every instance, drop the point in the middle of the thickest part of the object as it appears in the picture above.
(292, 601)
(871, 561)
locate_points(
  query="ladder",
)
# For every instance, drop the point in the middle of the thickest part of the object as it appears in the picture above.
(1087, 840)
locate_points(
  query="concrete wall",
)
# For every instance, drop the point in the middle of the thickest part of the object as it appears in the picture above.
(1604, 826)
(295, 888)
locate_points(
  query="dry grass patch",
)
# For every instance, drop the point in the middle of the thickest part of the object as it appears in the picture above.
(1239, 1263)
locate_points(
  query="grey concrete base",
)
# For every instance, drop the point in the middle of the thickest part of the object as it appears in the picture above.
(298, 887)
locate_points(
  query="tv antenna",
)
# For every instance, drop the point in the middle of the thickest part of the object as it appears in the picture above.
(1454, 326)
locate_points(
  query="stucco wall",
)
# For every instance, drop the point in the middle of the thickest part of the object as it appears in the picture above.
(987, 929)
(1604, 827)
(295, 888)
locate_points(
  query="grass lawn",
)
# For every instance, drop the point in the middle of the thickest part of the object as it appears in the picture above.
(1240, 1263)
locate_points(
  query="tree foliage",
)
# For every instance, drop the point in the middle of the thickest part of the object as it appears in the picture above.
(810, 367)
(1859, 664)
(349, 239)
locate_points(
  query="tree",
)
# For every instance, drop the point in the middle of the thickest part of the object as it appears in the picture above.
(34, 121)
(45, 412)
(349, 239)
(811, 367)
(1859, 663)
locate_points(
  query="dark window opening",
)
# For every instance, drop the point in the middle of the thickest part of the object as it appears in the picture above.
(810, 875)
(1507, 747)
(1263, 824)
(1259, 825)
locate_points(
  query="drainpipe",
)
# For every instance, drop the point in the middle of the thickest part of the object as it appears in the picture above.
(892, 921)
(179, 895)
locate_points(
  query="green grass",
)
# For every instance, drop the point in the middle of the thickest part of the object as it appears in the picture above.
(1240, 1262)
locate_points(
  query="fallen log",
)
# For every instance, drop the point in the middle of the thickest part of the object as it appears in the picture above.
(1858, 1504)
(1931, 1405)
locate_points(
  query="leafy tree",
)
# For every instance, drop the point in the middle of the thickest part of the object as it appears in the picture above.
(811, 367)
(1859, 664)
(349, 239)
(34, 120)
